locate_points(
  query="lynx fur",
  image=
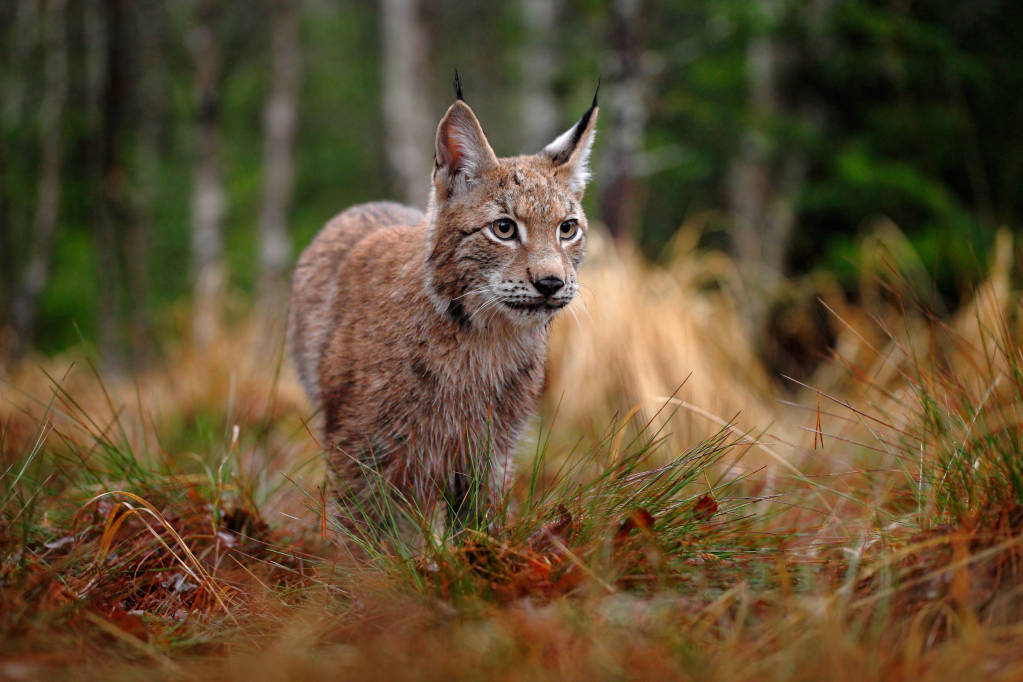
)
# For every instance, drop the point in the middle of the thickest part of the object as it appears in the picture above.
(422, 338)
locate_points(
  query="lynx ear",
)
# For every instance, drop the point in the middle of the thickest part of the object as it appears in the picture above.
(463, 154)
(570, 152)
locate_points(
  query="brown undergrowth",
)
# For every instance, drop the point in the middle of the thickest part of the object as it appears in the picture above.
(172, 525)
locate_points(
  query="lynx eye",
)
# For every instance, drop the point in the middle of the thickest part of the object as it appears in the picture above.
(503, 229)
(568, 229)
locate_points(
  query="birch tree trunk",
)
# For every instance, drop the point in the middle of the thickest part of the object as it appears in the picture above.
(280, 121)
(36, 274)
(407, 116)
(762, 186)
(540, 65)
(208, 199)
(626, 118)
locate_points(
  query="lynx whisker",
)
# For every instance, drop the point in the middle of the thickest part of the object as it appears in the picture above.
(585, 309)
(477, 290)
(575, 317)
(489, 303)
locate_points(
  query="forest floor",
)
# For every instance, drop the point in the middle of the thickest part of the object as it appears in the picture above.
(172, 524)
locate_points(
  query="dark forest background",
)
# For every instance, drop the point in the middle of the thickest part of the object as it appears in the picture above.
(162, 163)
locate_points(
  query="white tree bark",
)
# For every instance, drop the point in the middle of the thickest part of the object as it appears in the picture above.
(625, 98)
(540, 64)
(209, 202)
(407, 116)
(36, 274)
(280, 122)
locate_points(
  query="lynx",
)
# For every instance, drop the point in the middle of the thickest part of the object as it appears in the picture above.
(421, 337)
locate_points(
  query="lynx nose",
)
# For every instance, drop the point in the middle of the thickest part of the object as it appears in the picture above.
(549, 285)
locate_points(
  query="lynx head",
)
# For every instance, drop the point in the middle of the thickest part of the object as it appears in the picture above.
(506, 235)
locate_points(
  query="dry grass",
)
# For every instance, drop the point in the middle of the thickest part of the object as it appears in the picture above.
(639, 331)
(170, 524)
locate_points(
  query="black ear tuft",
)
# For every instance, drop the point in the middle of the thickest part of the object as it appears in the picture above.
(458, 87)
(570, 151)
(578, 130)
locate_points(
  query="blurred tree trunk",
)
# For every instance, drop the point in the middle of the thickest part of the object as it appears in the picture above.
(150, 21)
(112, 90)
(763, 184)
(626, 115)
(407, 116)
(540, 65)
(20, 36)
(8, 276)
(36, 273)
(95, 29)
(280, 120)
(18, 21)
(208, 198)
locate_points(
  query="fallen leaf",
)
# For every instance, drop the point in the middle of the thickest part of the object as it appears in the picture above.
(705, 508)
(560, 528)
(641, 519)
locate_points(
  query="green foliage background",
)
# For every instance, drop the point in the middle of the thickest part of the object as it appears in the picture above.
(906, 110)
